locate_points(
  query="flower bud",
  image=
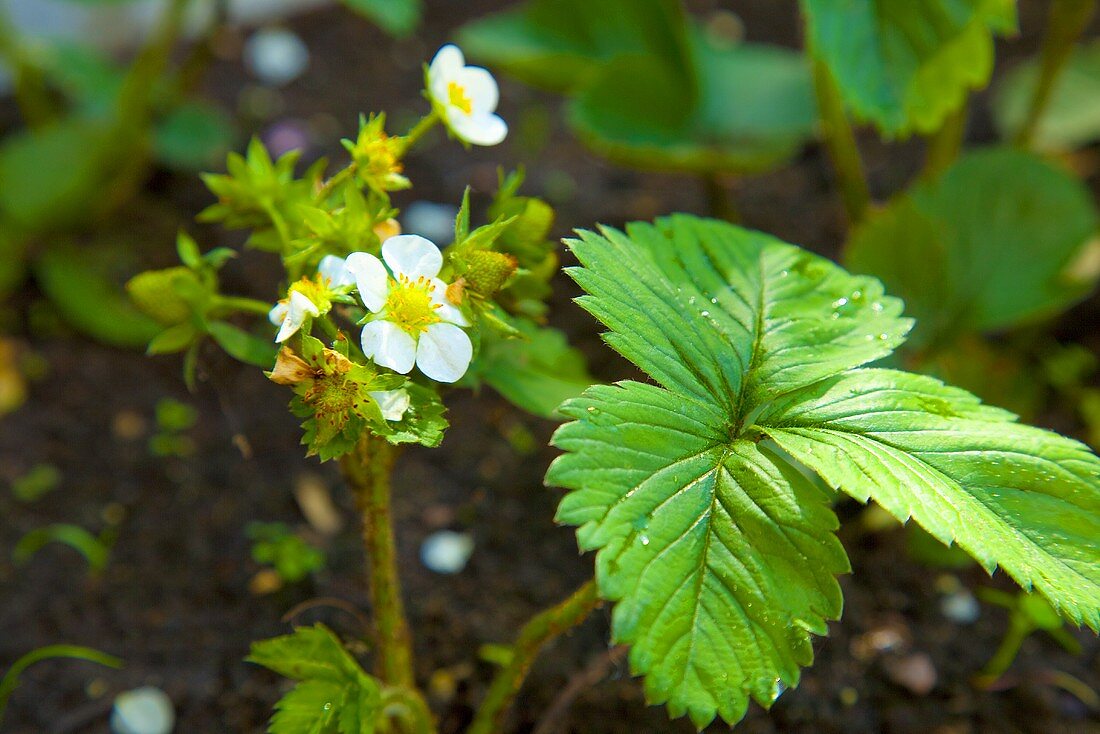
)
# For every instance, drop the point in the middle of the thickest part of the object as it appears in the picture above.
(157, 293)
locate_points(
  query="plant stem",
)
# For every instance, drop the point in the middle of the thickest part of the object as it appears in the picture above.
(840, 143)
(718, 198)
(31, 94)
(943, 146)
(413, 136)
(1067, 21)
(337, 180)
(543, 627)
(1019, 627)
(240, 303)
(367, 471)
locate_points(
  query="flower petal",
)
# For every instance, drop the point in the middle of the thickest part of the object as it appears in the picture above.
(480, 129)
(370, 278)
(447, 310)
(299, 309)
(394, 403)
(480, 87)
(445, 66)
(444, 352)
(335, 271)
(412, 256)
(278, 312)
(389, 346)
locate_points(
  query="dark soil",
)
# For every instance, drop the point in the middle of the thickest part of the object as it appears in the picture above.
(175, 600)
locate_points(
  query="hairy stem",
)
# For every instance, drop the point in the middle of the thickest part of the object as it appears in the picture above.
(943, 146)
(543, 627)
(1067, 21)
(840, 143)
(338, 179)
(413, 136)
(367, 471)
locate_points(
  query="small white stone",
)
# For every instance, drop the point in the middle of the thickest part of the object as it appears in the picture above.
(145, 710)
(446, 551)
(276, 56)
(960, 607)
(431, 220)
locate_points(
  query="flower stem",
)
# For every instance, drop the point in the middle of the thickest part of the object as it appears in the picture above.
(367, 471)
(240, 303)
(413, 136)
(840, 143)
(337, 180)
(943, 146)
(1067, 21)
(543, 627)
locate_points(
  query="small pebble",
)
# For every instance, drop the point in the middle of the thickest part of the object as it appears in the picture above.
(276, 56)
(915, 672)
(961, 607)
(446, 551)
(145, 710)
(431, 220)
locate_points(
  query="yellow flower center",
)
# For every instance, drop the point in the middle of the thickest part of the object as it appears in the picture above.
(315, 289)
(456, 95)
(409, 305)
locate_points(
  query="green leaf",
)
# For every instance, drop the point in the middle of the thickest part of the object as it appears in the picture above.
(990, 245)
(192, 137)
(334, 695)
(560, 44)
(79, 285)
(720, 555)
(717, 550)
(1010, 495)
(396, 17)
(1072, 116)
(906, 65)
(54, 175)
(95, 551)
(173, 339)
(537, 372)
(10, 681)
(243, 346)
(753, 108)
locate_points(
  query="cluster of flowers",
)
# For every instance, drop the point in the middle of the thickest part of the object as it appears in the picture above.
(411, 321)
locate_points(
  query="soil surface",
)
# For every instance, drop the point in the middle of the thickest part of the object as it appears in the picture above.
(175, 600)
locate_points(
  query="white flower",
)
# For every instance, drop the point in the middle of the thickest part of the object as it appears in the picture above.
(290, 313)
(414, 322)
(394, 403)
(466, 97)
(334, 272)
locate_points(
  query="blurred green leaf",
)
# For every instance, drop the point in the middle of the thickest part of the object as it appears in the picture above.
(54, 176)
(40, 480)
(77, 282)
(88, 78)
(173, 416)
(243, 346)
(173, 339)
(10, 681)
(194, 136)
(1072, 117)
(396, 17)
(753, 109)
(906, 65)
(94, 550)
(990, 245)
(536, 373)
(560, 44)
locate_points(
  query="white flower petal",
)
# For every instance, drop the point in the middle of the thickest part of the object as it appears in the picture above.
(412, 256)
(477, 129)
(278, 313)
(444, 352)
(389, 346)
(394, 403)
(370, 278)
(335, 271)
(480, 88)
(299, 309)
(447, 310)
(448, 62)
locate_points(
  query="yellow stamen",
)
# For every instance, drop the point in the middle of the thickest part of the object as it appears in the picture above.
(456, 95)
(410, 306)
